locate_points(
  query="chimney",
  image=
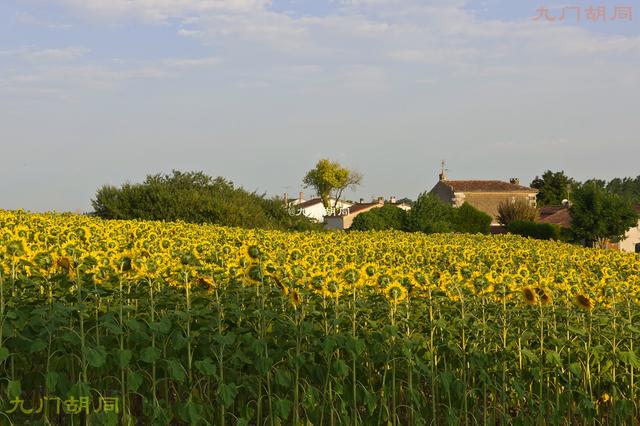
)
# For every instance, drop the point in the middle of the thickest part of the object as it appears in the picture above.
(514, 181)
(380, 200)
(286, 198)
(442, 174)
(361, 200)
(301, 197)
(392, 200)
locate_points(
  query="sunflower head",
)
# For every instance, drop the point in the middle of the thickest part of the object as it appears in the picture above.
(585, 301)
(253, 251)
(296, 298)
(604, 398)
(369, 269)
(530, 296)
(545, 296)
(395, 293)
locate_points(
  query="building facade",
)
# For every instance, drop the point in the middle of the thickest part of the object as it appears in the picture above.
(484, 195)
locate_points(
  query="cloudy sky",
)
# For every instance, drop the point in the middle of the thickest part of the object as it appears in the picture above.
(107, 91)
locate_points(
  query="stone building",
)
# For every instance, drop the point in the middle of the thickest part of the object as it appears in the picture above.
(484, 195)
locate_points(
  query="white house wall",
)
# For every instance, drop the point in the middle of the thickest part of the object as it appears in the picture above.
(632, 237)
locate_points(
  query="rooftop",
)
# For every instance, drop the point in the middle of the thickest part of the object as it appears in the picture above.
(485, 186)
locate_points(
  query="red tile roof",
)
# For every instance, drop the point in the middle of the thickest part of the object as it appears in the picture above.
(485, 186)
(561, 218)
(549, 210)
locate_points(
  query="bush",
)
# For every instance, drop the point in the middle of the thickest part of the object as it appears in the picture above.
(540, 231)
(519, 209)
(385, 217)
(197, 198)
(468, 219)
(430, 215)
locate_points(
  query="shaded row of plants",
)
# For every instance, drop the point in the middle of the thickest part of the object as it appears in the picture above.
(261, 350)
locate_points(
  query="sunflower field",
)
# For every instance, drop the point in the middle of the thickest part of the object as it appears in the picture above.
(172, 323)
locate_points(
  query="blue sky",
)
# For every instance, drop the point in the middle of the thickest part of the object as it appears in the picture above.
(107, 91)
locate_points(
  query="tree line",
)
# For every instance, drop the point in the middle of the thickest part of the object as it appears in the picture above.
(600, 210)
(554, 187)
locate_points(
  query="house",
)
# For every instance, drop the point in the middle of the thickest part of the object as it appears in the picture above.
(343, 220)
(314, 208)
(630, 243)
(484, 195)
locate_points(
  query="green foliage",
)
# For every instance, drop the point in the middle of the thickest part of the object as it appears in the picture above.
(540, 231)
(197, 198)
(553, 187)
(519, 209)
(329, 178)
(430, 215)
(468, 219)
(385, 217)
(628, 188)
(597, 215)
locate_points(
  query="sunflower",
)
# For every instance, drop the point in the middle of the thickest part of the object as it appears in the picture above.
(369, 269)
(545, 296)
(530, 296)
(332, 288)
(395, 293)
(296, 298)
(523, 272)
(604, 398)
(584, 301)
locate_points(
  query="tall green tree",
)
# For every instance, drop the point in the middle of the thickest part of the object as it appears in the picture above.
(598, 216)
(628, 188)
(553, 187)
(330, 179)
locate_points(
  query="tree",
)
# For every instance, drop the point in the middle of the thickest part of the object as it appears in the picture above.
(598, 216)
(197, 198)
(330, 179)
(553, 187)
(518, 209)
(385, 217)
(628, 188)
(429, 214)
(468, 219)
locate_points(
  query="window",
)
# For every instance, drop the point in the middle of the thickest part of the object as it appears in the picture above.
(637, 247)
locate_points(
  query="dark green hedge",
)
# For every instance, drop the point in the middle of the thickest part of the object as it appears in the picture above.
(540, 231)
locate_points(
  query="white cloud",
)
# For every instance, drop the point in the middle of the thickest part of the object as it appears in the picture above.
(26, 18)
(190, 33)
(59, 81)
(161, 10)
(191, 62)
(58, 54)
